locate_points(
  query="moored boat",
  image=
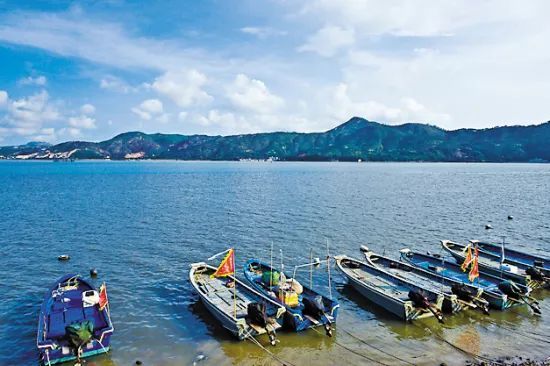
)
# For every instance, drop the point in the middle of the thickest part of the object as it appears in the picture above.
(240, 309)
(500, 293)
(74, 321)
(491, 264)
(305, 308)
(515, 257)
(456, 297)
(402, 298)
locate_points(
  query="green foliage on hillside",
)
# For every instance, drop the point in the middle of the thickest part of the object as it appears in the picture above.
(353, 140)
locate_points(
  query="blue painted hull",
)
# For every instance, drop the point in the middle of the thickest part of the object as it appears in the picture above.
(295, 319)
(452, 272)
(71, 300)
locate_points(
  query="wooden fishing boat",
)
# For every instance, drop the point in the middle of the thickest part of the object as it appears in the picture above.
(404, 299)
(516, 257)
(240, 309)
(74, 321)
(305, 308)
(490, 262)
(456, 297)
(500, 293)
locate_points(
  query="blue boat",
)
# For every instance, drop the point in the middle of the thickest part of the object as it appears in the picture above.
(305, 308)
(500, 293)
(515, 257)
(240, 309)
(456, 297)
(74, 321)
(518, 267)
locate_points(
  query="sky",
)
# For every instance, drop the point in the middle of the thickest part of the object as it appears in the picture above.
(88, 70)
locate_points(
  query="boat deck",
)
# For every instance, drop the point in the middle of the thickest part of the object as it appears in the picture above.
(223, 297)
(386, 284)
(481, 281)
(67, 309)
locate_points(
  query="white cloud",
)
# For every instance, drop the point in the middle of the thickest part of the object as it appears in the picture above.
(420, 18)
(26, 116)
(3, 97)
(329, 40)
(71, 34)
(114, 83)
(151, 109)
(87, 109)
(70, 132)
(263, 32)
(341, 106)
(183, 87)
(82, 121)
(253, 95)
(29, 80)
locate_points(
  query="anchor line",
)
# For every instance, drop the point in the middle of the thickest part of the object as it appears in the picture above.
(518, 333)
(274, 356)
(353, 351)
(374, 347)
(466, 352)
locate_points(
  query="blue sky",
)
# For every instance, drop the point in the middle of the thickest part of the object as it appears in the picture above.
(88, 70)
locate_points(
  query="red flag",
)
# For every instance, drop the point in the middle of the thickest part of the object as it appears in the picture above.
(103, 299)
(227, 266)
(468, 259)
(474, 272)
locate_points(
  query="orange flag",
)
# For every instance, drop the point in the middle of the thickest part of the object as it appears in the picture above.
(103, 299)
(474, 272)
(468, 259)
(227, 266)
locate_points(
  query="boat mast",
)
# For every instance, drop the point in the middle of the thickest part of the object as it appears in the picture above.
(328, 270)
(234, 288)
(311, 268)
(271, 265)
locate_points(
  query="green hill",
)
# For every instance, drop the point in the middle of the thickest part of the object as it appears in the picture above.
(353, 140)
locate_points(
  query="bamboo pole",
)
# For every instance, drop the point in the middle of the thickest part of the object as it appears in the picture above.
(328, 270)
(234, 288)
(311, 268)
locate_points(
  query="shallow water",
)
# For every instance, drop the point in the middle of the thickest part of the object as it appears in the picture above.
(142, 223)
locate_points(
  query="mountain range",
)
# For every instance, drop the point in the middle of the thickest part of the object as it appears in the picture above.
(356, 139)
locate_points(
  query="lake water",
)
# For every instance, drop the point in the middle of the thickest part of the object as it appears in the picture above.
(142, 223)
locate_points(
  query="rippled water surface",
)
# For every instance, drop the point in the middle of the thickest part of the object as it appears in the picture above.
(142, 223)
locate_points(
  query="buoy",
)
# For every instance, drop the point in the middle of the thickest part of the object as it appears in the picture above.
(510, 217)
(488, 227)
(63, 257)
(138, 362)
(93, 273)
(317, 262)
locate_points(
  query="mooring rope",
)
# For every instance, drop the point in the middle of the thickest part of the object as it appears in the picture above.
(518, 333)
(466, 352)
(374, 347)
(274, 356)
(353, 351)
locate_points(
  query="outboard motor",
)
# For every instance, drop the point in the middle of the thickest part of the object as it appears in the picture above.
(514, 292)
(316, 309)
(421, 301)
(257, 313)
(468, 294)
(535, 274)
(510, 289)
(462, 292)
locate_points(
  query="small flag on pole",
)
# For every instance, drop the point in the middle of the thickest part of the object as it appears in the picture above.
(474, 272)
(103, 299)
(468, 259)
(227, 266)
